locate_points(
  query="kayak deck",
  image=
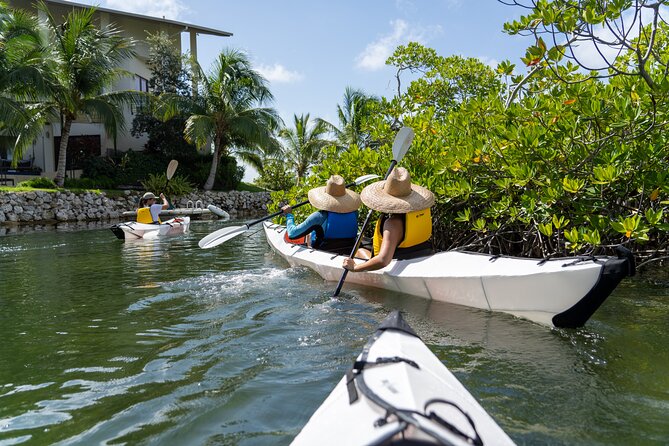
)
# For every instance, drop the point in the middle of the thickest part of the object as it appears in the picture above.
(398, 389)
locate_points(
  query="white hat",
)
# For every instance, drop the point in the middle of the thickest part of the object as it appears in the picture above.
(149, 196)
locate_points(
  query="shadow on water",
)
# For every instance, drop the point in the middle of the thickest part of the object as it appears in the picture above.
(160, 342)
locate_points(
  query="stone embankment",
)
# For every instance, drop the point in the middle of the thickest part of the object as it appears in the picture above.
(61, 206)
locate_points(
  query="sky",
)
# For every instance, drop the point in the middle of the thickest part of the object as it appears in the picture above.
(311, 50)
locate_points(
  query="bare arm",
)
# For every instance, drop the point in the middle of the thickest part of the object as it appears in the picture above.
(165, 203)
(392, 236)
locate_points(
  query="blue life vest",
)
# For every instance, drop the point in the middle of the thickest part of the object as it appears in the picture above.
(338, 226)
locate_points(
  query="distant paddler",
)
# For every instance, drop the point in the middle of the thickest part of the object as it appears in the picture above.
(149, 210)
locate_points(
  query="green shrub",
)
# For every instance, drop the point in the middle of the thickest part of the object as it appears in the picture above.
(39, 183)
(178, 185)
(275, 176)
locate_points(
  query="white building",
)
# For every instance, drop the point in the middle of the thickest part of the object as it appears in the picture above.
(90, 136)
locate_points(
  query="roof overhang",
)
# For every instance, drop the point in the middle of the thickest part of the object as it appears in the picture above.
(185, 26)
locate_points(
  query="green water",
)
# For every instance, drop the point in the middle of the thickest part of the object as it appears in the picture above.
(160, 342)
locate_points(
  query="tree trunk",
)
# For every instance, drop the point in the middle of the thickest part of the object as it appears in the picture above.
(209, 185)
(62, 154)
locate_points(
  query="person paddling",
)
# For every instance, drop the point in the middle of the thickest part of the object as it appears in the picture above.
(404, 229)
(334, 226)
(149, 210)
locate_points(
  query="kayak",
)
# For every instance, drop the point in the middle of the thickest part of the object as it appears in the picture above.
(132, 230)
(399, 392)
(560, 292)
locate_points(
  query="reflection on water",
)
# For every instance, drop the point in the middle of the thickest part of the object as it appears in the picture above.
(161, 342)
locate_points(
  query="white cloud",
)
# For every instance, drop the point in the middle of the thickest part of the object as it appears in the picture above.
(279, 73)
(169, 9)
(491, 62)
(375, 54)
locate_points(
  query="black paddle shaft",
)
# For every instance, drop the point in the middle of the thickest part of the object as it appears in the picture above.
(276, 214)
(356, 246)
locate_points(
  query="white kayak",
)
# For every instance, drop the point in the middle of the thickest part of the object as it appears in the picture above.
(132, 230)
(562, 292)
(399, 392)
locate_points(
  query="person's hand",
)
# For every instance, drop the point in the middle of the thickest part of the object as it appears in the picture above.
(349, 264)
(162, 196)
(287, 209)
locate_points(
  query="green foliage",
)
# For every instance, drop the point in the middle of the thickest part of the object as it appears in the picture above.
(275, 176)
(230, 111)
(566, 168)
(169, 74)
(38, 183)
(178, 185)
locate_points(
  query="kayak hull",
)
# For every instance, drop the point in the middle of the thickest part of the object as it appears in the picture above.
(133, 230)
(408, 378)
(559, 292)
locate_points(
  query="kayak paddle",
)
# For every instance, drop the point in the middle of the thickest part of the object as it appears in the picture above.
(171, 168)
(225, 234)
(400, 148)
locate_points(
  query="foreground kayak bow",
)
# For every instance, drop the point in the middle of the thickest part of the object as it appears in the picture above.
(399, 392)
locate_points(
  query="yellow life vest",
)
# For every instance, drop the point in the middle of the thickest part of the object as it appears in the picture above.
(417, 230)
(144, 216)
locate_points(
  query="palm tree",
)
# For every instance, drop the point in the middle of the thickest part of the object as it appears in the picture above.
(83, 61)
(352, 114)
(303, 144)
(21, 72)
(228, 111)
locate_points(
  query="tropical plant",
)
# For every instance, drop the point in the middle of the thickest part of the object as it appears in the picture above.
(21, 72)
(178, 185)
(169, 74)
(303, 144)
(352, 114)
(228, 111)
(83, 60)
(274, 176)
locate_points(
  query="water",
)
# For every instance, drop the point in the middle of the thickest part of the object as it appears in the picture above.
(160, 342)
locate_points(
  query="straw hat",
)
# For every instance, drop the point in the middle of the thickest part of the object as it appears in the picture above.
(149, 196)
(397, 195)
(334, 196)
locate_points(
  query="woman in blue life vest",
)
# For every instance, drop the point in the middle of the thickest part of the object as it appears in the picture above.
(149, 210)
(404, 229)
(334, 227)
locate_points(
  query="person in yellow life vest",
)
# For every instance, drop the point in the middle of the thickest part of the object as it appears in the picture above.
(149, 210)
(404, 229)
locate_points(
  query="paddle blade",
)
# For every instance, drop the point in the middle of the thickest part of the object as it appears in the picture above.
(171, 168)
(219, 212)
(402, 142)
(221, 236)
(366, 178)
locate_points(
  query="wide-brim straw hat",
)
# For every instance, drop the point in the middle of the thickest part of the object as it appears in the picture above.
(397, 195)
(149, 196)
(334, 196)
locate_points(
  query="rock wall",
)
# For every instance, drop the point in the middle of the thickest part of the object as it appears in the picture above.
(42, 206)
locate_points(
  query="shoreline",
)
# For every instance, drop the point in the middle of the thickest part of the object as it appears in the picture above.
(53, 207)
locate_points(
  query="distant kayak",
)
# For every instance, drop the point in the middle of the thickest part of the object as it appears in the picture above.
(562, 292)
(133, 230)
(399, 393)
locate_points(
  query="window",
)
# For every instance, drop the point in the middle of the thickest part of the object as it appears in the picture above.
(141, 84)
